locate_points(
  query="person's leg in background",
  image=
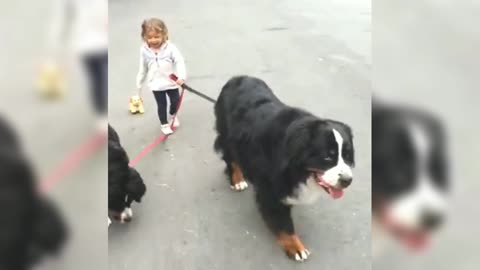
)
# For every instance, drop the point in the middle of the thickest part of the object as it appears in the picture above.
(97, 69)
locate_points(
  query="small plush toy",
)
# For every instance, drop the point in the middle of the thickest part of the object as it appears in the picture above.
(136, 105)
(50, 81)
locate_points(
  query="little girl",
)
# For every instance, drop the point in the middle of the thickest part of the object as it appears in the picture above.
(158, 59)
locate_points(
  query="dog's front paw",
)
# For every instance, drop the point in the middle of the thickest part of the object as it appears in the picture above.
(293, 247)
(126, 215)
(237, 181)
(240, 186)
(301, 256)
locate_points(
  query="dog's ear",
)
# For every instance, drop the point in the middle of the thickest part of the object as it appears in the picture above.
(17, 192)
(113, 135)
(7, 135)
(49, 230)
(298, 136)
(296, 140)
(16, 170)
(349, 131)
(135, 187)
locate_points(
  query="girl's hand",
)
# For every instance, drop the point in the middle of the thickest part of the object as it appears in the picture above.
(180, 82)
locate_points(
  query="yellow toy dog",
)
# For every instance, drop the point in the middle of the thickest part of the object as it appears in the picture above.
(136, 105)
(50, 81)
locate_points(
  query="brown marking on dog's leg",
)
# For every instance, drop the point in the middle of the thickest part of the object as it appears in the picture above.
(237, 175)
(238, 183)
(114, 214)
(293, 246)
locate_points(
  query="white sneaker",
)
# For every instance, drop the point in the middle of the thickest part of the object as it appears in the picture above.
(102, 124)
(166, 129)
(176, 122)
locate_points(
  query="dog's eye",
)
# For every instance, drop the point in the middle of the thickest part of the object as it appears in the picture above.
(330, 155)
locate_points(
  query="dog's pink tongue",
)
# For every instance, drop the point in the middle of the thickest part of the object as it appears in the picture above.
(416, 241)
(335, 193)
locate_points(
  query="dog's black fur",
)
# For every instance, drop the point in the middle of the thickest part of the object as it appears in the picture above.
(30, 225)
(125, 184)
(273, 144)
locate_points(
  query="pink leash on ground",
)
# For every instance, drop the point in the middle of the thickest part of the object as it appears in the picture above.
(85, 149)
(72, 160)
(160, 139)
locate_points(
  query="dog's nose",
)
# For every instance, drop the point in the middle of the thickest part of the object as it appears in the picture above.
(345, 180)
(431, 220)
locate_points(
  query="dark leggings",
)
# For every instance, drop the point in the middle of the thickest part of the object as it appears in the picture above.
(96, 65)
(161, 98)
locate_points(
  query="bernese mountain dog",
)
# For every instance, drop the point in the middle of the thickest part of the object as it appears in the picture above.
(289, 155)
(125, 184)
(409, 176)
(31, 227)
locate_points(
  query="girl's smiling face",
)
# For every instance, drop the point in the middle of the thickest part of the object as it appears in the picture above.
(154, 39)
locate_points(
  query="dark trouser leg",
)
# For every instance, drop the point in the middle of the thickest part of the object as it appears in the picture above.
(161, 98)
(97, 70)
(174, 96)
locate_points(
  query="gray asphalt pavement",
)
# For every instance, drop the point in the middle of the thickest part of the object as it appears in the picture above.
(315, 55)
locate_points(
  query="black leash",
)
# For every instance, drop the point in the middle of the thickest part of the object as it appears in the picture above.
(202, 95)
(189, 88)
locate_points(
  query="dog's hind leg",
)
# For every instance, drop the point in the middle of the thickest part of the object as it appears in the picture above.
(226, 156)
(279, 220)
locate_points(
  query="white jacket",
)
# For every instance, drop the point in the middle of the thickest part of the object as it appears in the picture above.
(154, 68)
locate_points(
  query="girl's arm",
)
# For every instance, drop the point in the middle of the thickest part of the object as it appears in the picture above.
(142, 72)
(179, 64)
